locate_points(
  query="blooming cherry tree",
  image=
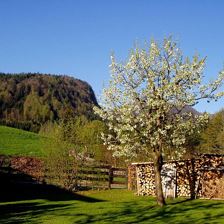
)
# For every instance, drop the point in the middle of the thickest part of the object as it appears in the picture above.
(145, 103)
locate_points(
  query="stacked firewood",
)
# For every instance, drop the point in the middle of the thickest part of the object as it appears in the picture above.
(188, 175)
(145, 179)
(201, 177)
(212, 183)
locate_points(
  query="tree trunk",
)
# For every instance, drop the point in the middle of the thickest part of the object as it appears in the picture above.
(158, 163)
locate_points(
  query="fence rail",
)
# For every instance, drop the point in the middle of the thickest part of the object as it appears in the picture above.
(104, 176)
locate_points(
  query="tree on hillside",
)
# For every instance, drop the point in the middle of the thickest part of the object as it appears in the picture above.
(212, 137)
(145, 103)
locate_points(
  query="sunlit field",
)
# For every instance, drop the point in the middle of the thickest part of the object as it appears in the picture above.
(111, 206)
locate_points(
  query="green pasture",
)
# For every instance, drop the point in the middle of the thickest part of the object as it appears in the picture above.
(111, 206)
(19, 142)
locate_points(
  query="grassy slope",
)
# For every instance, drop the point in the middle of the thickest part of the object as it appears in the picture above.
(117, 206)
(18, 142)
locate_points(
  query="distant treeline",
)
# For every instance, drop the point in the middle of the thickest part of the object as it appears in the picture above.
(28, 100)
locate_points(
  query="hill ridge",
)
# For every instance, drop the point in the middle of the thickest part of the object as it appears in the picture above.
(35, 98)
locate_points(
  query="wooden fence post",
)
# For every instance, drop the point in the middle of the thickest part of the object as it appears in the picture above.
(110, 177)
(129, 178)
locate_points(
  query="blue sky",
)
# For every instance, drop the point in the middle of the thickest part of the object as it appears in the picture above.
(77, 37)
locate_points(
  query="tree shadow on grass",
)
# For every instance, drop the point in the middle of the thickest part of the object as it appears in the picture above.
(26, 212)
(182, 200)
(18, 186)
(186, 212)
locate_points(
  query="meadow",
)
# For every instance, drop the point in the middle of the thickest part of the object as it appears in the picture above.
(111, 206)
(19, 142)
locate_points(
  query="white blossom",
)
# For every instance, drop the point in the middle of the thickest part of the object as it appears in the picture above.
(144, 102)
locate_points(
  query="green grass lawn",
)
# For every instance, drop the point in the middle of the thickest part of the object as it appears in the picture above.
(18, 142)
(111, 206)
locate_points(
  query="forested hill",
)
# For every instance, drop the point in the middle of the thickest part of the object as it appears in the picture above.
(28, 100)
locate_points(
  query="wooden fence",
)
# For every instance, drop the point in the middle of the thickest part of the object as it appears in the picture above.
(90, 177)
(106, 177)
